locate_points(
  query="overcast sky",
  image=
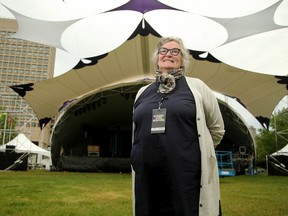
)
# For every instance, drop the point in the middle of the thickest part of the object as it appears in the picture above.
(4, 13)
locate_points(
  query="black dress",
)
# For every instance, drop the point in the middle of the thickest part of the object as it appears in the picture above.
(167, 165)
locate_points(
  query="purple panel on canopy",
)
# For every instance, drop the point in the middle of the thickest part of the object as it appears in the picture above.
(143, 6)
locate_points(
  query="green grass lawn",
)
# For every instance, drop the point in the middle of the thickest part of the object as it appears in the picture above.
(106, 194)
(254, 195)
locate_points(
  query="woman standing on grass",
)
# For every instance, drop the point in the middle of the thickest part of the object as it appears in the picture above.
(176, 125)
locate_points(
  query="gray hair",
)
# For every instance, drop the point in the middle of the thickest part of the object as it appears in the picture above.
(184, 52)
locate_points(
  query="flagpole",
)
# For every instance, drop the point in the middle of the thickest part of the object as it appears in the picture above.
(4, 134)
(10, 124)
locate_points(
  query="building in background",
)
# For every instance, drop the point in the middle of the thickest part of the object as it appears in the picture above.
(23, 62)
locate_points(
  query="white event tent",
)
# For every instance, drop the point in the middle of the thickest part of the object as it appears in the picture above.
(22, 144)
(283, 151)
(277, 162)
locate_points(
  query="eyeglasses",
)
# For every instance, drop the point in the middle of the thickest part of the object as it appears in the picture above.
(173, 51)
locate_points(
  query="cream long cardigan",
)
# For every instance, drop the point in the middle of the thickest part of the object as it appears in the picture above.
(210, 127)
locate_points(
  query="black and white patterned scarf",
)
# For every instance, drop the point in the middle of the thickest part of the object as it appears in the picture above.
(167, 81)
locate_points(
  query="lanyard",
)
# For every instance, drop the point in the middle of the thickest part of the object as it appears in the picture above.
(161, 102)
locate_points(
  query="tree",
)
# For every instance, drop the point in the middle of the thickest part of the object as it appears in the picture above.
(7, 127)
(272, 140)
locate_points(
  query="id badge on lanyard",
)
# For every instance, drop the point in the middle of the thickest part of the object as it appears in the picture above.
(158, 119)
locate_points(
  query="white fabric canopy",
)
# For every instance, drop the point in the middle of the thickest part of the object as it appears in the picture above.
(23, 144)
(130, 64)
(251, 35)
(249, 40)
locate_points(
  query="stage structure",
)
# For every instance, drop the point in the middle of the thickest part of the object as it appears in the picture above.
(236, 49)
(103, 122)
